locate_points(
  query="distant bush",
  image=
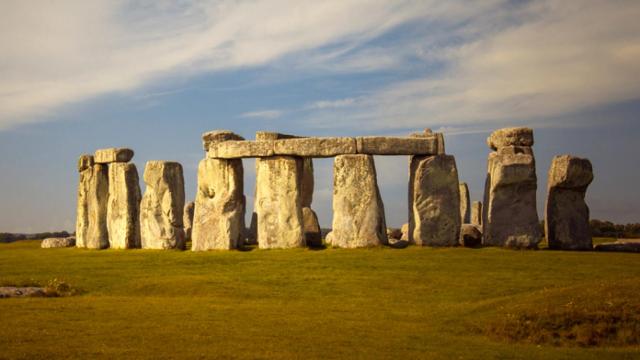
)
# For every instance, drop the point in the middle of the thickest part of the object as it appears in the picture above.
(601, 228)
(9, 237)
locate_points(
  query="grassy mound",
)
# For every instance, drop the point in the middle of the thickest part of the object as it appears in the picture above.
(603, 314)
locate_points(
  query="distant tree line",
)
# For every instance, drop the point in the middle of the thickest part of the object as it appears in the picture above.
(601, 228)
(9, 237)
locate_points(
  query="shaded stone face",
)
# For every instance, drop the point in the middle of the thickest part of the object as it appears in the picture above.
(97, 234)
(278, 203)
(434, 200)
(510, 218)
(517, 136)
(123, 209)
(112, 155)
(470, 236)
(358, 212)
(188, 219)
(312, 235)
(566, 213)
(465, 206)
(476, 213)
(307, 182)
(85, 162)
(162, 206)
(218, 221)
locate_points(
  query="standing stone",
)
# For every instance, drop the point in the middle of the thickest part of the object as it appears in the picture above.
(278, 203)
(218, 222)
(566, 213)
(85, 168)
(312, 234)
(465, 206)
(97, 234)
(162, 206)
(510, 218)
(123, 209)
(252, 236)
(187, 221)
(307, 182)
(358, 212)
(434, 219)
(476, 213)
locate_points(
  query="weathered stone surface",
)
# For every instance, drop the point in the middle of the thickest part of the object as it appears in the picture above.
(566, 213)
(268, 135)
(312, 233)
(358, 212)
(278, 203)
(476, 213)
(217, 136)
(622, 245)
(307, 182)
(28, 291)
(516, 136)
(465, 206)
(187, 220)
(123, 208)
(394, 233)
(58, 242)
(162, 206)
(82, 207)
(510, 218)
(386, 145)
(240, 149)
(405, 232)
(434, 219)
(218, 222)
(514, 150)
(93, 195)
(112, 155)
(470, 236)
(315, 147)
(85, 162)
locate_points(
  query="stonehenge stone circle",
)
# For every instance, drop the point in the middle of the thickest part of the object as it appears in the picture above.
(113, 155)
(187, 220)
(358, 212)
(278, 203)
(566, 213)
(218, 221)
(162, 206)
(510, 218)
(123, 208)
(465, 206)
(434, 201)
(476, 213)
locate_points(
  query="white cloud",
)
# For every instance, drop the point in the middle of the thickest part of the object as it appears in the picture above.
(263, 114)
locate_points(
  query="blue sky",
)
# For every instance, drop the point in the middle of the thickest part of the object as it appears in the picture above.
(154, 75)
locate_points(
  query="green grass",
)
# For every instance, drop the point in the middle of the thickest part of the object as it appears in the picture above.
(365, 303)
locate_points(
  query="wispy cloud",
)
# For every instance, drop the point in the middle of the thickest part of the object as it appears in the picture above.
(263, 114)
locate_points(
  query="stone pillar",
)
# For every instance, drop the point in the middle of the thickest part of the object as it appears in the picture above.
(85, 168)
(311, 227)
(123, 210)
(307, 182)
(566, 213)
(187, 220)
(476, 213)
(510, 218)
(278, 203)
(162, 206)
(434, 218)
(218, 222)
(465, 206)
(97, 234)
(358, 212)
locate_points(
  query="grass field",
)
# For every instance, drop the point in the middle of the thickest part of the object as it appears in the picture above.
(450, 303)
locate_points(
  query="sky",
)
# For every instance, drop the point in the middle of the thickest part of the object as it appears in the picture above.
(77, 76)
